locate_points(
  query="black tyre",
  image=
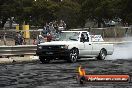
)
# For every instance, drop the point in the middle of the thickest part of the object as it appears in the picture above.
(102, 54)
(73, 56)
(44, 60)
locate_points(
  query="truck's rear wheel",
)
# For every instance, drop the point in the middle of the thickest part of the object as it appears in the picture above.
(102, 55)
(73, 56)
(44, 60)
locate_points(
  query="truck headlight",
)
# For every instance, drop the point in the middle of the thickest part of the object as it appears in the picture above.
(64, 47)
(39, 47)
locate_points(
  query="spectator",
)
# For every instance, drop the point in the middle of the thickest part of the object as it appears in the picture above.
(49, 37)
(55, 25)
(40, 39)
(51, 27)
(34, 41)
(20, 38)
(16, 39)
(24, 41)
(44, 32)
(62, 25)
(47, 28)
(4, 38)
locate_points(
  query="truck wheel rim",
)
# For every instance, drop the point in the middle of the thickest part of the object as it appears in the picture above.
(73, 55)
(103, 55)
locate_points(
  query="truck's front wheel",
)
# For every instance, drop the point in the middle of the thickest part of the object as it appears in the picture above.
(102, 55)
(44, 60)
(73, 56)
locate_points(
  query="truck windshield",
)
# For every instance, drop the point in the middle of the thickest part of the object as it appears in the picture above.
(69, 36)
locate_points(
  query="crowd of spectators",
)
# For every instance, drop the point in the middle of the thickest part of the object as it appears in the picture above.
(54, 27)
(50, 31)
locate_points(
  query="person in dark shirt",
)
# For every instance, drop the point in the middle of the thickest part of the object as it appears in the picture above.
(82, 39)
(16, 39)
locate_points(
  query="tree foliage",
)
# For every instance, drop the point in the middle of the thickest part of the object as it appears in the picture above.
(100, 10)
(69, 12)
(124, 10)
(74, 12)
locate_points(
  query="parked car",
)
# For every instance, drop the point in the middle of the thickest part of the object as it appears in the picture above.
(111, 23)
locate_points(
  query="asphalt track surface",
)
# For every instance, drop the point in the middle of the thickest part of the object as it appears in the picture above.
(60, 74)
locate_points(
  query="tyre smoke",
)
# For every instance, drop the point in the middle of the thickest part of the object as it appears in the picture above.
(122, 51)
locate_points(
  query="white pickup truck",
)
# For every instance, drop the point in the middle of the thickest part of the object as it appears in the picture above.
(73, 45)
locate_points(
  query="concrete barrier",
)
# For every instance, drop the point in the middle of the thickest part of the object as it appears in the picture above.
(18, 50)
(18, 59)
(6, 60)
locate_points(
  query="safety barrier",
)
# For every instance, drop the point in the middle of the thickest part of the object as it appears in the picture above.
(18, 50)
(22, 50)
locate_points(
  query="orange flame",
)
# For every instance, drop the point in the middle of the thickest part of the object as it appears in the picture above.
(81, 71)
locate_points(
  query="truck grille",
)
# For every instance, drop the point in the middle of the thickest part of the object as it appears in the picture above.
(51, 47)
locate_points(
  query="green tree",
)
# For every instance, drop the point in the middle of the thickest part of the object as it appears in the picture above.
(97, 10)
(74, 12)
(69, 12)
(23, 11)
(124, 10)
(18, 9)
(7, 11)
(43, 11)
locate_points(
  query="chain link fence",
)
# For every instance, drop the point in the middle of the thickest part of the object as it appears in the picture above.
(7, 37)
(113, 34)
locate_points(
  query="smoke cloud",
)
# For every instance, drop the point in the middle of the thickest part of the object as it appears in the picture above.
(122, 51)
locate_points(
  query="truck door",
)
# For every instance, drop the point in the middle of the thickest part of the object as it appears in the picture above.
(87, 45)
